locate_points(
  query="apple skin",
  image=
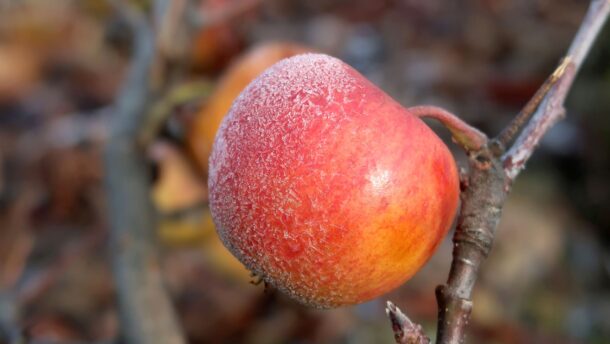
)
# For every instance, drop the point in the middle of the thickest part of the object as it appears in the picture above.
(326, 187)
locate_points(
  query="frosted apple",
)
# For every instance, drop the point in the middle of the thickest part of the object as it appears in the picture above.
(325, 186)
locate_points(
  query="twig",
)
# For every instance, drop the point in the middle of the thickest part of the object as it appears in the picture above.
(488, 183)
(405, 331)
(147, 315)
(551, 109)
(502, 141)
(467, 136)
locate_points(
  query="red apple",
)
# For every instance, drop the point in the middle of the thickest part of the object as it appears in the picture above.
(325, 186)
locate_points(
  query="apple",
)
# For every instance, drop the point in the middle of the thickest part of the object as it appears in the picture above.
(327, 188)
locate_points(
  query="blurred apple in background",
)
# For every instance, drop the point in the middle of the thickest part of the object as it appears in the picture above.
(221, 37)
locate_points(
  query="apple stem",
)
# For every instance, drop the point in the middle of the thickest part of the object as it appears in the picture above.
(467, 136)
(492, 171)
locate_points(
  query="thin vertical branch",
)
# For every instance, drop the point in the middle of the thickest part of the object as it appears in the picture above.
(146, 312)
(482, 203)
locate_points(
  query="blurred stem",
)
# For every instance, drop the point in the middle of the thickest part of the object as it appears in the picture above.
(146, 312)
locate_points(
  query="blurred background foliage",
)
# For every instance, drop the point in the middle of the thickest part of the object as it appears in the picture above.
(62, 62)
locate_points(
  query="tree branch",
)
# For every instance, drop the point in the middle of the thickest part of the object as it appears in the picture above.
(488, 183)
(482, 203)
(146, 312)
(551, 108)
